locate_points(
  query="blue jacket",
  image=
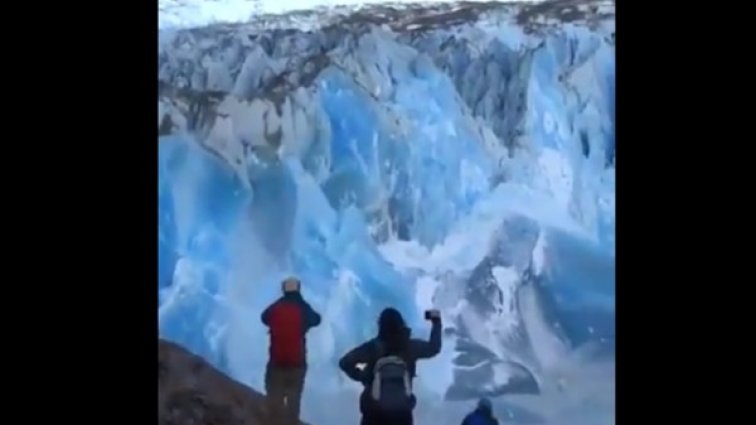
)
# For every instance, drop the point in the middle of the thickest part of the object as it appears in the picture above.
(312, 318)
(480, 417)
(292, 315)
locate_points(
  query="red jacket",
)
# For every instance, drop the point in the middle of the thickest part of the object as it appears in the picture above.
(289, 319)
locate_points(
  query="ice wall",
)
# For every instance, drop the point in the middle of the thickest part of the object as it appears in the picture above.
(466, 164)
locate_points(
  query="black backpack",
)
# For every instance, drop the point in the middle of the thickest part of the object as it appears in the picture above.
(391, 386)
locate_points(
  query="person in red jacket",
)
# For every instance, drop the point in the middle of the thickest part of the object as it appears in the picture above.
(288, 319)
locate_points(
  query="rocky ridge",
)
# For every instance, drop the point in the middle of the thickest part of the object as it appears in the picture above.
(193, 392)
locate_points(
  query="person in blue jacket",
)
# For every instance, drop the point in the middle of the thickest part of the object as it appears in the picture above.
(482, 415)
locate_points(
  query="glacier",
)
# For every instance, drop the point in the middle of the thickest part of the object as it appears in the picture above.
(456, 156)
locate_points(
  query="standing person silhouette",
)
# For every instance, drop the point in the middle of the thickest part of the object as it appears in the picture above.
(389, 365)
(288, 320)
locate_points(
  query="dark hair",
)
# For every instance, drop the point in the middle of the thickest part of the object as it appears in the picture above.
(485, 405)
(393, 330)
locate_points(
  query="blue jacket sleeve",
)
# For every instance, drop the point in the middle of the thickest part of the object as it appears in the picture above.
(312, 317)
(265, 316)
(420, 349)
(359, 355)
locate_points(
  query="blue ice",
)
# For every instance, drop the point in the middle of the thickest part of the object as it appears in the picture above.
(413, 153)
(200, 201)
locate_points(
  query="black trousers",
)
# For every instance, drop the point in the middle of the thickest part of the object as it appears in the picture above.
(283, 387)
(377, 419)
(372, 417)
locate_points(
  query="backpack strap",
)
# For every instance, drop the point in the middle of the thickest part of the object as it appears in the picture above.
(375, 384)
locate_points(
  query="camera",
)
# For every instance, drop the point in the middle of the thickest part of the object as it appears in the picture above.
(432, 314)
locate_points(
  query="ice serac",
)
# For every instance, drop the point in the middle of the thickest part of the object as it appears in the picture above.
(456, 156)
(200, 202)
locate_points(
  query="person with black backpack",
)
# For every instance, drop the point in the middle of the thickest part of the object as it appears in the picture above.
(389, 364)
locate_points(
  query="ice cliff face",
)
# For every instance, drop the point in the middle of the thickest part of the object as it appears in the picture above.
(458, 156)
